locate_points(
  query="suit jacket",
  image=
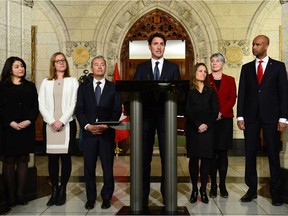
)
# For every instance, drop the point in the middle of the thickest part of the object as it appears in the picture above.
(267, 101)
(226, 95)
(108, 109)
(153, 103)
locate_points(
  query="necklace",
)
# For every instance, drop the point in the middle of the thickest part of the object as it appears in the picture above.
(217, 77)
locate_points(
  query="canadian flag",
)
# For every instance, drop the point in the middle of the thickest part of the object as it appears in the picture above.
(120, 134)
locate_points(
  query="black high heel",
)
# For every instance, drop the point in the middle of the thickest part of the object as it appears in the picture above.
(194, 196)
(21, 200)
(213, 191)
(53, 199)
(204, 197)
(223, 192)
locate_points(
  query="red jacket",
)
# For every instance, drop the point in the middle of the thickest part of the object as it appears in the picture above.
(226, 95)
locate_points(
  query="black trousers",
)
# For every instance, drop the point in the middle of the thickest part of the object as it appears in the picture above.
(272, 141)
(150, 126)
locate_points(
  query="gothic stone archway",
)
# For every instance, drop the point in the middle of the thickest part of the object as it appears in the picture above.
(156, 21)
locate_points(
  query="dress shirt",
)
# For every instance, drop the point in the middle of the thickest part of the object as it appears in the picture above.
(102, 84)
(160, 65)
(264, 63)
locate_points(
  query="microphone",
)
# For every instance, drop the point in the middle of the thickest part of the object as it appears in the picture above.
(85, 72)
(84, 77)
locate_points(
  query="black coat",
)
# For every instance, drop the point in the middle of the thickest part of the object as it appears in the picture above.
(201, 108)
(18, 103)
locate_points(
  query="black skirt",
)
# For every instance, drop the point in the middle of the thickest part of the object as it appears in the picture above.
(224, 134)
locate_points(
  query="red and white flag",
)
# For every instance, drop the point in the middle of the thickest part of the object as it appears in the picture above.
(120, 134)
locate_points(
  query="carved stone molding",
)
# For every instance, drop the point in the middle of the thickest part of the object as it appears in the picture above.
(29, 3)
(81, 52)
(283, 2)
(234, 50)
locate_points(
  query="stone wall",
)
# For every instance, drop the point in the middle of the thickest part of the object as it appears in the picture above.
(214, 26)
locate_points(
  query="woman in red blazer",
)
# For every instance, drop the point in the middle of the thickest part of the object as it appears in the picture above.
(225, 88)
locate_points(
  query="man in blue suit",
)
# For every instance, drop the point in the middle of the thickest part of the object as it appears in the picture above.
(92, 108)
(157, 68)
(262, 103)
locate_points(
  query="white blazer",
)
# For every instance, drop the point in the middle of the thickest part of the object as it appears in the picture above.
(69, 97)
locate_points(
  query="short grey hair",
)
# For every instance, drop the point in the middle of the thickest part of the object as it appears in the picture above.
(98, 57)
(219, 56)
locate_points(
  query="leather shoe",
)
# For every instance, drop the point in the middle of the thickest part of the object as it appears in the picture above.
(194, 196)
(106, 204)
(204, 197)
(213, 191)
(248, 197)
(89, 205)
(276, 201)
(21, 200)
(224, 192)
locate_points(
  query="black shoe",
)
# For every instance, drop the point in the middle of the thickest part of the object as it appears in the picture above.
(61, 200)
(223, 192)
(194, 196)
(54, 196)
(204, 197)
(213, 191)
(89, 205)
(106, 204)
(276, 201)
(21, 200)
(248, 197)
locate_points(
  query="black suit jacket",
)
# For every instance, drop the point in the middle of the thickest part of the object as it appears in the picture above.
(108, 109)
(153, 103)
(269, 100)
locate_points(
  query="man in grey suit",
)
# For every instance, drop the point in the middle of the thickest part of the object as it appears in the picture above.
(97, 101)
(262, 104)
(157, 68)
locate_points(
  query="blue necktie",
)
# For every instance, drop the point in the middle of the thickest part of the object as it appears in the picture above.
(98, 92)
(156, 71)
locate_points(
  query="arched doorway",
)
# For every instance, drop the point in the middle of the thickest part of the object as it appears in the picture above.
(156, 21)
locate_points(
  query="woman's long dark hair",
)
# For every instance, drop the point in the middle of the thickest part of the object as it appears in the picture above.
(7, 70)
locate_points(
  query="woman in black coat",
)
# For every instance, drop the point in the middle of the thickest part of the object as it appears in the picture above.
(19, 111)
(201, 114)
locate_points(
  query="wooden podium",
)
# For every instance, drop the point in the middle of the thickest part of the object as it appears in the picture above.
(175, 93)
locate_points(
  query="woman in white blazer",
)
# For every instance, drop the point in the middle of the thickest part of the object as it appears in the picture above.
(57, 100)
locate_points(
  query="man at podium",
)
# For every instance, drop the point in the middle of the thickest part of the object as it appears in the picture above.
(156, 68)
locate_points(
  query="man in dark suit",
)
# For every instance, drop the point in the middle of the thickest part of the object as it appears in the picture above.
(157, 68)
(262, 103)
(92, 108)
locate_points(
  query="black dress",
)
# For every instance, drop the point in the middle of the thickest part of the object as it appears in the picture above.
(18, 103)
(201, 108)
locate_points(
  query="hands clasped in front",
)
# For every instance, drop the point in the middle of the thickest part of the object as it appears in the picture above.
(97, 129)
(202, 128)
(57, 126)
(20, 125)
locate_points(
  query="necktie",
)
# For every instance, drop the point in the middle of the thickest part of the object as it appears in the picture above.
(156, 71)
(260, 72)
(98, 92)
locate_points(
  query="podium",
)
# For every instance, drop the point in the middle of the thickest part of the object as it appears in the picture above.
(175, 92)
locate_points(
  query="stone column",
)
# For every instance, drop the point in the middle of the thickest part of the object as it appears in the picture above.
(284, 152)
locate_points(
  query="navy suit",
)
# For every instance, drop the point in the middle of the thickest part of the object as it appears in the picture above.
(261, 106)
(153, 118)
(87, 111)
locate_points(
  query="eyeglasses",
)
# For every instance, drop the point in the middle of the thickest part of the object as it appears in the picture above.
(60, 61)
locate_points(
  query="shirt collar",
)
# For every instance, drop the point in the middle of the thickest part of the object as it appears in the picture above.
(159, 60)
